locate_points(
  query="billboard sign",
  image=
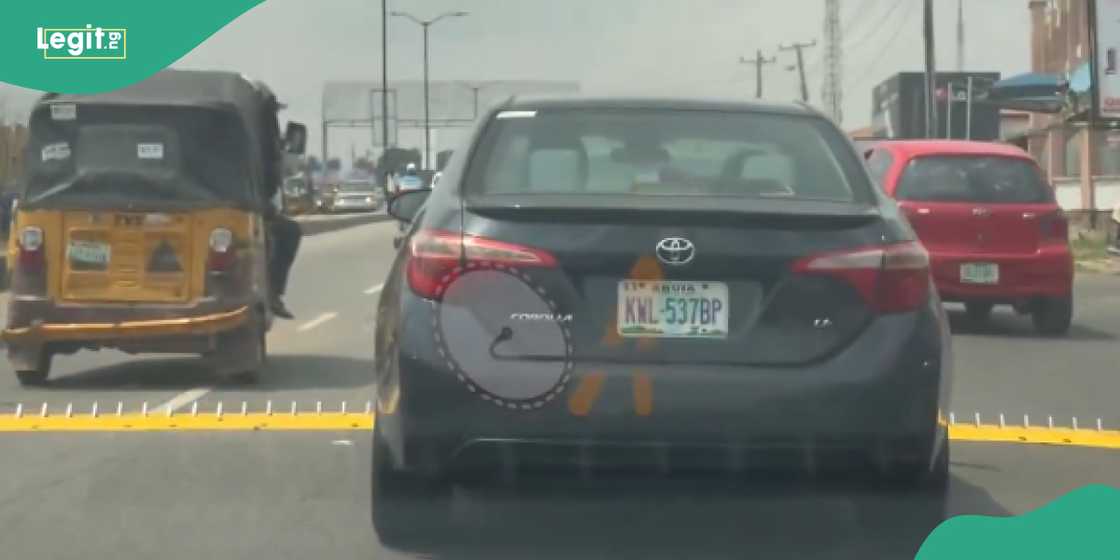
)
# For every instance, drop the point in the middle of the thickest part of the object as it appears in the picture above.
(1108, 58)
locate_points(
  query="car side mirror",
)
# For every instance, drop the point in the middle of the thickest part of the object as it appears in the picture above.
(405, 205)
(295, 138)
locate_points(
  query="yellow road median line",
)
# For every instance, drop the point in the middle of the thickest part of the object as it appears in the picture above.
(343, 421)
(185, 422)
(1104, 439)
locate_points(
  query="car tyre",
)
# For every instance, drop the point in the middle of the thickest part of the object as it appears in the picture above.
(978, 313)
(408, 510)
(1053, 316)
(917, 496)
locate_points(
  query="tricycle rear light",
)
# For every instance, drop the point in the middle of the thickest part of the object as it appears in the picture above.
(30, 244)
(222, 252)
(890, 279)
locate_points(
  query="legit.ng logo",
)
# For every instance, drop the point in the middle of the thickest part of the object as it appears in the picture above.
(83, 43)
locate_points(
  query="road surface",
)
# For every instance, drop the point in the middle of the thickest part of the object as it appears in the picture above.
(249, 494)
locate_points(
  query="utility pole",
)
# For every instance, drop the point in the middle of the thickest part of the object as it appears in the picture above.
(384, 76)
(1089, 153)
(758, 61)
(960, 35)
(799, 49)
(833, 94)
(931, 72)
(475, 89)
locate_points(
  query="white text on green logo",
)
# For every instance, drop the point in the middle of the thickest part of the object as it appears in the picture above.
(88, 43)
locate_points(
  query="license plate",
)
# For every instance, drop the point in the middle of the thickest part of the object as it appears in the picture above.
(673, 309)
(979, 273)
(88, 255)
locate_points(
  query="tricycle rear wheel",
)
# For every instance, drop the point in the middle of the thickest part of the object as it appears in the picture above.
(36, 375)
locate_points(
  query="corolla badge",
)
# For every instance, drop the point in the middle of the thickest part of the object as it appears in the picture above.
(676, 251)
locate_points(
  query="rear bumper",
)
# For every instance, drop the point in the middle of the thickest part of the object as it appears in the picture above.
(888, 388)
(1045, 273)
(355, 205)
(39, 321)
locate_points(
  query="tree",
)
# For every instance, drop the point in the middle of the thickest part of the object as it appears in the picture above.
(394, 160)
(334, 165)
(314, 164)
(364, 164)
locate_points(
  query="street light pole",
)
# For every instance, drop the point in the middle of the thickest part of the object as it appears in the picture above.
(427, 104)
(425, 24)
(385, 74)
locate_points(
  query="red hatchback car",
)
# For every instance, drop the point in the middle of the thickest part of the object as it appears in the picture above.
(991, 224)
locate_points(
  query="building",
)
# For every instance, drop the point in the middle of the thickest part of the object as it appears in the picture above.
(1062, 143)
(898, 106)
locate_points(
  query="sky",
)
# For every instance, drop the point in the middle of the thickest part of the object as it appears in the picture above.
(685, 47)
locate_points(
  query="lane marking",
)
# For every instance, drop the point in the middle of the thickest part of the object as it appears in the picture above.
(373, 289)
(586, 393)
(317, 321)
(183, 399)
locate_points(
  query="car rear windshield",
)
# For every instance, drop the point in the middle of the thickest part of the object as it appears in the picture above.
(990, 179)
(666, 152)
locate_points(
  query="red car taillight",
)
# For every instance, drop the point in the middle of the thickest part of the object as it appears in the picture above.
(891, 279)
(30, 242)
(434, 255)
(1054, 228)
(222, 252)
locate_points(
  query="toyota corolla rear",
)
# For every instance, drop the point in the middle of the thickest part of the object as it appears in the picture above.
(660, 283)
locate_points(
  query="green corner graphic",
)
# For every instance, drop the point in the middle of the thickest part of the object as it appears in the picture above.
(1079, 525)
(102, 46)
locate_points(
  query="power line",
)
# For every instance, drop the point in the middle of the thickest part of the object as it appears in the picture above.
(816, 66)
(880, 26)
(886, 47)
(855, 18)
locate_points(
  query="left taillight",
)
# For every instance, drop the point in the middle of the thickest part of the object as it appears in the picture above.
(222, 252)
(890, 279)
(434, 255)
(1054, 228)
(30, 244)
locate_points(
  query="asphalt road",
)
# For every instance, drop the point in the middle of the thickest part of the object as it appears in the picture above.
(305, 494)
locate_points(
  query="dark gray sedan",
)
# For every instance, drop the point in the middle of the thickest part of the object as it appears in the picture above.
(654, 284)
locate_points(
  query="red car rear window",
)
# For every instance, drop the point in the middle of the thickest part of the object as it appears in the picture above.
(986, 179)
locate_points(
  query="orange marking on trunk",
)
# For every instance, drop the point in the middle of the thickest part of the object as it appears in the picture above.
(585, 395)
(643, 394)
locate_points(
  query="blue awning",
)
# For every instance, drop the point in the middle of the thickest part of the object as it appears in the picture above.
(1034, 92)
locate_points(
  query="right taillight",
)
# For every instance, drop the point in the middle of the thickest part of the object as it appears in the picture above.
(222, 253)
(434, 255)
(30, 243)
(890, 279)
(1054, 228)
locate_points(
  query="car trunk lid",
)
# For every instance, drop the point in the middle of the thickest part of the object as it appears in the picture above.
(627, 292)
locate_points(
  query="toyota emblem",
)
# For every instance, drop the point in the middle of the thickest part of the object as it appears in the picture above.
(676, 251)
